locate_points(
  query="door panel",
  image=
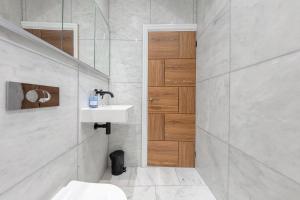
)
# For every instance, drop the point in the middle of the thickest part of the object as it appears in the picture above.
(156, 73)
(187, 45)
(163, 153)
(171, 98)
(180, 127)
(163, 99)
(156, 126)
(186, 154)
(187, 100)
(163, 45)
(180, 72)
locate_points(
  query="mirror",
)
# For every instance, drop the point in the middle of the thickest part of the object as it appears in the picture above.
(101, 42)
(77, 27)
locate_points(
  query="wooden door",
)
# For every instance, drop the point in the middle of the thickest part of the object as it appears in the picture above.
(171, 99)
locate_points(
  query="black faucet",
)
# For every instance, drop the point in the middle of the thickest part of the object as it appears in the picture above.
(102, 93)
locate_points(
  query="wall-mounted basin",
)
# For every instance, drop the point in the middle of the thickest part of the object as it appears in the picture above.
(107, 113)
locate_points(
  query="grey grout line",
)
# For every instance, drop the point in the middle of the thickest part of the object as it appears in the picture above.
(150, 16)
(177, 176)
(213, 19)
(265, 165)
(266, 60)
(229, 103)
(210, 134)
(156, 194)
(252, 157)
(249, 66)
(78, 124)
(213, 77)
(38, 169)
(48, 163)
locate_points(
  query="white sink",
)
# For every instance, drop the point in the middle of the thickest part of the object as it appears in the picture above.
(107, 113)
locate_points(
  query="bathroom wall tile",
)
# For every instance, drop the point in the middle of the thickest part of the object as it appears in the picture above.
(195, 12)
(126, 61)
(172, 11)
(213, 106)
(265, 113)
(47, 181)
(104, 6)
(67, 11)
(141, 192)
(86, 52)
(183, 193)
(207, 10)
(258, 34)
(212, 163)
(87, 84)
(102, 56)
(128, 94)
(43, 11)
(213, 49)
(92, 158)
(11, 10)
(83, 14)
(250, 179)
(48, 131)
(127, 138)
(127, 18)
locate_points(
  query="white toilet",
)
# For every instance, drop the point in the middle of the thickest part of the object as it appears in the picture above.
(77, 190)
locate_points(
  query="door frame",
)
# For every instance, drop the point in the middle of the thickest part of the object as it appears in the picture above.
(146, 29)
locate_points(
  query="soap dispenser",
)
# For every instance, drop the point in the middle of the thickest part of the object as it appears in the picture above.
(93, 101)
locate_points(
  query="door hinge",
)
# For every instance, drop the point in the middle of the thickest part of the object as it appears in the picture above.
(196, 43)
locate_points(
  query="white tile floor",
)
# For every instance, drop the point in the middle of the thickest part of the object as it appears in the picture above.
(160, 183)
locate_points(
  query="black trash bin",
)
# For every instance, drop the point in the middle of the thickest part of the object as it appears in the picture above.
(117, 162)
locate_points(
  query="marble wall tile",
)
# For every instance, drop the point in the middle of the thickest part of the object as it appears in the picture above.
(11, 10)
(67, 11)
(213, 50)
(86, 51)
(213, 106)
(126, 18)
(48, 131)
(45, 182)
(250, 179)
(127, 138)
(104, 6)
(83, 14)
(129, 94)
(126, 61)
(102, 56)
(259, 34)
(92, 157)
(207, 10)
(212, 163)
(43, 11)
(172, 12)
(265, 113)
